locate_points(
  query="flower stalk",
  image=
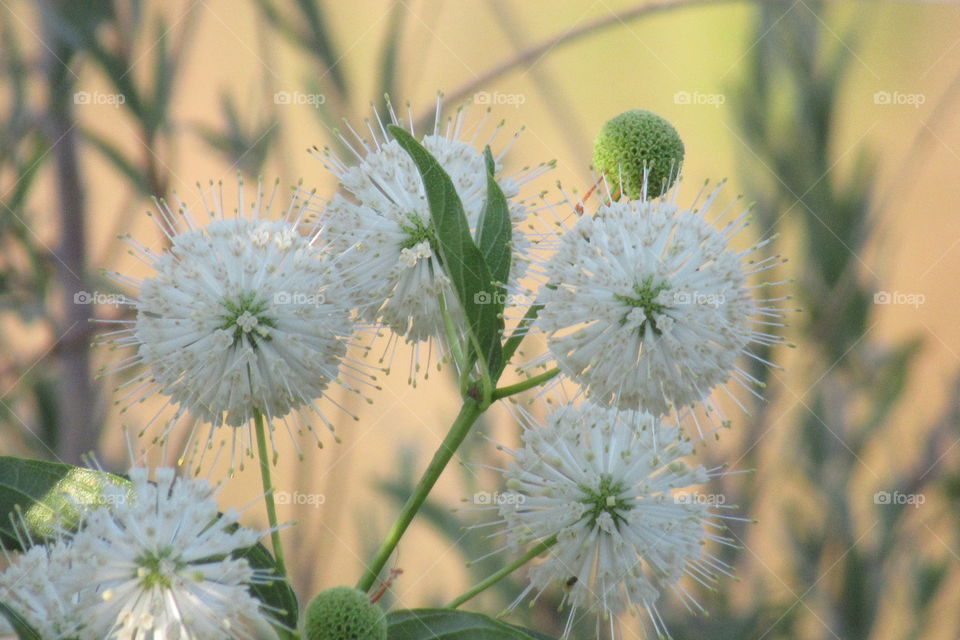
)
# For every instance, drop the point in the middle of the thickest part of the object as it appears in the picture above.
(469, 413)
(264, 460)
(503, 573)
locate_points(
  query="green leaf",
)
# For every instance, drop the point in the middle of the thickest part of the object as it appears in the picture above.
(21, 626)
(276, 593)
(451, 624)
(494, 229)
(533, 634)
(48, 494)
(461, 258)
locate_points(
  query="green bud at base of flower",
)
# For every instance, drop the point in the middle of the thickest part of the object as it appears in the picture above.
(344, 613)
(635, 141)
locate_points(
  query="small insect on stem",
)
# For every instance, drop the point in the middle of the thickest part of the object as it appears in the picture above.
(570, 582)
(593, 187)
(579, 206)
(385, 585)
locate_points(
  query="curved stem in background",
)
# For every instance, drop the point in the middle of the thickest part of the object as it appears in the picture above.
(264, 460)
(469, 413)
(535, 52)
(79, 427)
(503, 573)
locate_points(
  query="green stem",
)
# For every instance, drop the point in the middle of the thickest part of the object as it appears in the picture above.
(529, 383)
(268, 491)
(452, 338)
(504, 572)
(519, 333)
(469, 413)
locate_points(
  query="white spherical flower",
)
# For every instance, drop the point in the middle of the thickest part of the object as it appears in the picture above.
(648, 307)
(160, 565)
(242, 315)
(42, 586)
(601, 485)
(381, 225)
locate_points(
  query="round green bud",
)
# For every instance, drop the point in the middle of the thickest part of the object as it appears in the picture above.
(635, 140)
(344, 613)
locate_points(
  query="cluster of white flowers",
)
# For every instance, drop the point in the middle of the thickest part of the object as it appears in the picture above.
(154, 562)
(647, 308)
(645, 305)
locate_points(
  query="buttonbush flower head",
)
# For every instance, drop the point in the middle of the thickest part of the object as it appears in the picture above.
(344, 612)
(381, 225)
(242, 315)
(638, 153)
(43, 586)
(601, 485)
(648, 306)
(160, 564)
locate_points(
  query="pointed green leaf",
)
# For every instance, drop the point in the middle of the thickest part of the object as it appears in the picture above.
(494, 229)
(461, 258)
(21, 626)
(450, 624)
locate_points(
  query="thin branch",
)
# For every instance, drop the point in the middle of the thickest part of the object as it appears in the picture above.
(534, 52)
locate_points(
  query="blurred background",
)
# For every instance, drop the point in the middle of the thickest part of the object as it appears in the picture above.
(841, 121)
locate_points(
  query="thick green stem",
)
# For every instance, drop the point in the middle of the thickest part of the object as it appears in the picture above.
(458, 431)
(504, 572)
(529, 383)
(268, 490)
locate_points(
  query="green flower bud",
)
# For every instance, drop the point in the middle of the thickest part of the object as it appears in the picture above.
(635, 140)
(344, 613)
